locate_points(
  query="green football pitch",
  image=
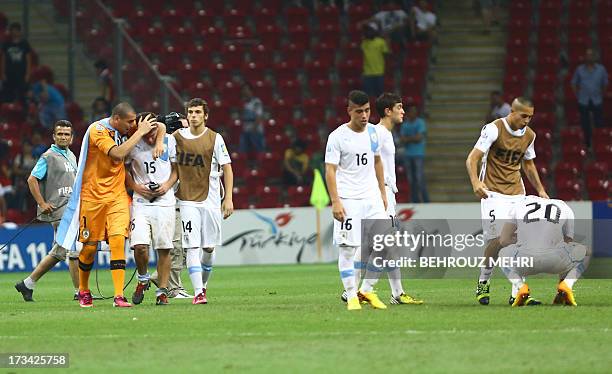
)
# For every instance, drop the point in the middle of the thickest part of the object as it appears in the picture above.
(290, 319)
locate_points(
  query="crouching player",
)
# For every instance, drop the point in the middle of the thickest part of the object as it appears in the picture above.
(544, 232)
(153, 210)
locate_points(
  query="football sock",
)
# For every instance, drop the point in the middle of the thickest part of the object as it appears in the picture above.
(577, 271)
(117, 263)
(195, 269)
(395, 281)
(144, 278)
(346, 266)
(485, 274)
(29, 283)
(207, 265)
(514, 278)
(86, 259)
(371, 275)
(359, 266)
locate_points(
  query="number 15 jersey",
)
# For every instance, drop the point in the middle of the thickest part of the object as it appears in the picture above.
(145, 169)
(354, 153)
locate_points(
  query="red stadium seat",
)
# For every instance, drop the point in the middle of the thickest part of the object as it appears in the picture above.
(298, 195)
(293, 55)
(203, 19)
(573, 152)
(328, 15)
(358, 12)
(269, 35)
(290, 91)
(233, 18)
(316, 70)
(297, 15)
(572, 135)
(284, 71)
(299, 34)
(265, 16)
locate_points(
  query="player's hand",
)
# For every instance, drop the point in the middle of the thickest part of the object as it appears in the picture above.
(543, 194)
(144, 191)
(227, 208)
(158, 150)
(480, 190)
(338, 211)
(46, 207)
(146, 124)
(163, 188)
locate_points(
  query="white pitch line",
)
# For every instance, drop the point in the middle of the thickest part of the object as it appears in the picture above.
(327, 333)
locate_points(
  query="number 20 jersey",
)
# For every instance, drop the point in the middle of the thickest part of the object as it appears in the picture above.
(542, 223)
(354, 153)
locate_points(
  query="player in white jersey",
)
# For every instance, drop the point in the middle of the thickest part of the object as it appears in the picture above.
(544, 233)
(505, 146)
(391, 111)
(201, 159)
(355, 180)
(152, 223)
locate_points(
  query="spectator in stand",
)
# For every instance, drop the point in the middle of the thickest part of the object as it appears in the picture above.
(589, 83)
(15, 65)
(412, 135)
(499, 108)
(105, 80)
(252, 137)
(50, 103)
(100, 109)
(295, 165)
(392, 20)
(22, 165)
(374, 49)
(489, 9)
(423, 22)
(38, 144)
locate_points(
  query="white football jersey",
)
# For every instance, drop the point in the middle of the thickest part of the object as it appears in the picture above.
(145, 169)
(387, 155)
(354, 153)
(542, 223)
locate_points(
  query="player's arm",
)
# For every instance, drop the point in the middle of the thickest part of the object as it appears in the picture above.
(35, 191)
(380, 176)
(38, 172)
(228, 179)
(330, 178)
(120, 152)
(471, 164)
(159, 140)
(532, 174)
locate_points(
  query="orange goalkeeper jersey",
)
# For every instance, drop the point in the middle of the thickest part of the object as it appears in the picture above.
(103, 178)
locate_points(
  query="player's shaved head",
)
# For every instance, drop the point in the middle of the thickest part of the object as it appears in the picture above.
(521, 113)
(122, 110)
(358, 98)
(522, 103)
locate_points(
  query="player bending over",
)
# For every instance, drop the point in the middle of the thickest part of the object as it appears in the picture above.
(544, 231)
(355, 180)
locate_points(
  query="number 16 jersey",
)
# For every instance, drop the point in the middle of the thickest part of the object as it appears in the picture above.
(354, 153)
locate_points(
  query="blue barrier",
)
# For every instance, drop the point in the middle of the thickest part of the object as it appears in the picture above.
(33, 244)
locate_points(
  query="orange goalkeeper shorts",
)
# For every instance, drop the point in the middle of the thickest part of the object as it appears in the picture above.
(98, 221)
